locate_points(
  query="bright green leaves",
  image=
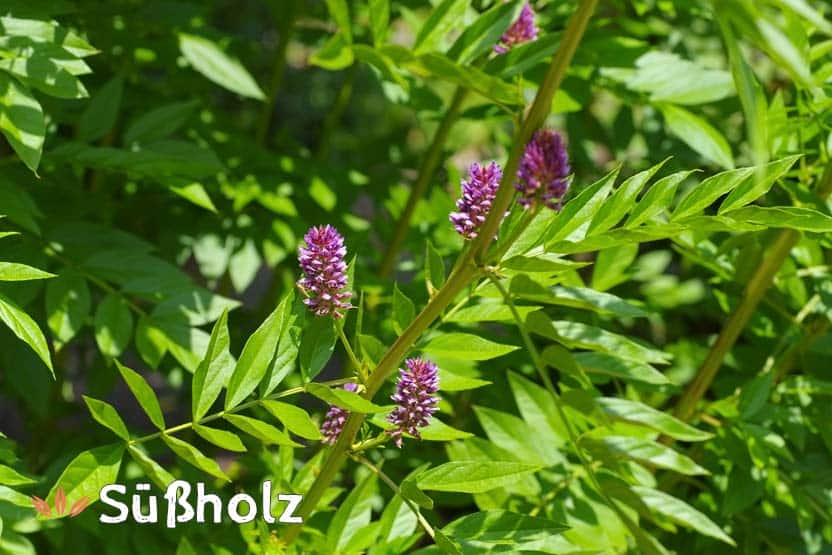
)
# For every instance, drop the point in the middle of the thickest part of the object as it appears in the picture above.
(193, 456)
(294, 418)
(161, 477)
(490, 529)
(144, 395)
(263, 431)
(208, 58)
(106, 415)
(257, 355)
(441, 20)
(473, 476)
(113, 325)
(680, 512)
(87, 473)
(11, 271)
(466, 346)
(25, 328)
(342, 398)
(21, 121)
(645, 451)
(632, 411)
(403, 310)
(698, 134)
(11, 477)
(213, 371)
(67, 305)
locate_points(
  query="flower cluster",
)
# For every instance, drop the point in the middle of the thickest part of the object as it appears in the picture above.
(335, 419)
(477, 195)
(325, 272)
(544, 170)
(522, 30)
(414, 397)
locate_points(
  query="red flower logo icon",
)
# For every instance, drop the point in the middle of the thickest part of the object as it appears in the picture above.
(42, 507)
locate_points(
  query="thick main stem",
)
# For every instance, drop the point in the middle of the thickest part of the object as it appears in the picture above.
(465, 269)
(753, 293)
(426, 172)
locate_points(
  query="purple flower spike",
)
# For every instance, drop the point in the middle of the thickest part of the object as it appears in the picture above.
(478, 193)
(335, 419)
(415, 402)
(544, 170)
(325, 272)
(522, 30)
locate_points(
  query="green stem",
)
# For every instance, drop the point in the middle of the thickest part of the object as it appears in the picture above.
(346, 343)
(464, 271)
(234, 410)
(386, 479)
(380, 439)
(426, 172)
(755, 289)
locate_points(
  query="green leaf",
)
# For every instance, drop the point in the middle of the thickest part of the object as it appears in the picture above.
(669, 78)
(11, 477)
(517, 437)
(48, 32)
(576, 297)
(213, 371)
(353, 514)
(334, 55)
(221, 438)
(656, 199)
(21, 121)
(51, 76)
(266, 433)
(704, 194)
(580, 210)
(610, 365)
(481, 36)
(501, 527)
(340, 12)
(803, 9)
(15, 498)
(411, 492)
(466, 346)
(681, 513)
(287, 351)
(792, 217)
(25, 329)
(294, 418)
(67, 305)
(756, 186)
(633, 411)
(144, 394)
(489, 312)
(209, 60)
(536, 407)
(102, 111)
(442, 19)
(379, 20)
(106, 415)
(157, 474)
(196, 194)
(449, 381)
(698, 134)
(440, 66)
(403, 310)
(342, 398)
(193, 456)
(12, 271)
(316, 346)
(473, 476)
(113, 325)
(87, 473)
(754, 395)
(434, 269)
(646, 451)
(583, 336)
(621, 201)
(257, 356)
(160, 122)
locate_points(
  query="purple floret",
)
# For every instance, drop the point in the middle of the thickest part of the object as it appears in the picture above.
(478, 193)
(544, 170)
(414, 397)
(325, 272)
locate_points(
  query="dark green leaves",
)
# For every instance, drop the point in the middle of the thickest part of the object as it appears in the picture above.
(403, 310)
(316, 346)
(113, 325)
(26, 329)
(67, 305)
